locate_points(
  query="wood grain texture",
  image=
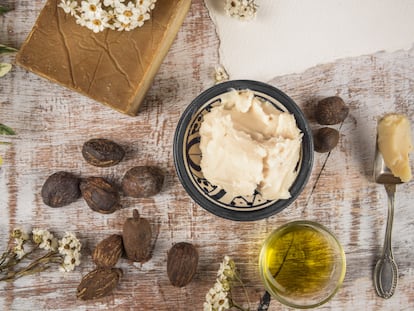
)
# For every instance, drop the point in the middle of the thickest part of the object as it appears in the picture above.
(52, 123)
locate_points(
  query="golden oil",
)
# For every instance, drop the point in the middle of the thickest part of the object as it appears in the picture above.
(300, 260)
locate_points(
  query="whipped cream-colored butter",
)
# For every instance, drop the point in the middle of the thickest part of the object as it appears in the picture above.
(394, 143)
(247, 144)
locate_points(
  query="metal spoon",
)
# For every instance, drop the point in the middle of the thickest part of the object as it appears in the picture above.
(386, 270)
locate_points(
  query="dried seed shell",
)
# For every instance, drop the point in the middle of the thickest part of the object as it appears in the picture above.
(100, 195)
(137, 235)
(142, 181)
(107, 253)
(102, 152)
(60, 189)
(325, 139)
(331, 110)
(182, 263)
(98, 283)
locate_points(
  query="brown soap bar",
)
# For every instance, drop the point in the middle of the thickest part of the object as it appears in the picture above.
(113, 67)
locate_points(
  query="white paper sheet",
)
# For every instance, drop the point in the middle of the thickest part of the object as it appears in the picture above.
(289, 36)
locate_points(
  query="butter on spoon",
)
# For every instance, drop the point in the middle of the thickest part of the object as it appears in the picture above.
(394, 143)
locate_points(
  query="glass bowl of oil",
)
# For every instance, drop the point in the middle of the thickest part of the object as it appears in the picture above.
(302, 264)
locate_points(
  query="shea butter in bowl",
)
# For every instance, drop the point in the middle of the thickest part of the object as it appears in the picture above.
(243, 150)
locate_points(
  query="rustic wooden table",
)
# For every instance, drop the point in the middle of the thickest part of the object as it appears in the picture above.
(52, 123)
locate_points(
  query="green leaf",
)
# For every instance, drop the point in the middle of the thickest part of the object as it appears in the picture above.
(7, 49)
(4, 68)
(5, 130)
(4, 9)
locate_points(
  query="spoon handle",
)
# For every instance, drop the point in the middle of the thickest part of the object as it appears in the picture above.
(386, 270)
(390, 189)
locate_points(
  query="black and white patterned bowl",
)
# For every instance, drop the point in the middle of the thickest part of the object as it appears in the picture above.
(187, 155)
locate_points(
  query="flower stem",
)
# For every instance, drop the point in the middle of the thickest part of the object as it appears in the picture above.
(12, 259)
(37, 265)
(7, 260)
(4, 257)
(238, 278)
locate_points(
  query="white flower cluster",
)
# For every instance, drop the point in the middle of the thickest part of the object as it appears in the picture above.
(113, 14)
(20, 238)
(218, 297)
(241, 9)
(220, 74)
(70, 248)
(44, 239)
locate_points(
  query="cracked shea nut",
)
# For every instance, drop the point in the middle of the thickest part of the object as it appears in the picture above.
(107, 253)
(331, 110)
(137, 235)
(325, 139)
(100, 195)
(60, 189)
(142, 181)
(102, 152)
(182, 263)
(98, 283)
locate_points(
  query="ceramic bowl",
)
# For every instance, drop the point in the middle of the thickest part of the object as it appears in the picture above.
(187, 155)
(302, 264)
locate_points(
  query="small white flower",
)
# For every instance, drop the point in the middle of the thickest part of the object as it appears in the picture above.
(211, 294)
(141, 18)
(207, 307)
(37, 235)
(81, 20)
(70, 262)
(125, 14)
(44, 239)
(122, 26)
(145, 5)
(152, 5)
(241, 9)
(18, 248)
(91, 8)
(18, 233)
(220, 296)
(225, 284)
(18, 243)
(95, 24)
(222, 302)
(19, 251)
(66, 267)
(220, 74)
(220, 272)
(69, 244)
(69, 247)
(218, 287)
(112, 3)
(69, 6)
